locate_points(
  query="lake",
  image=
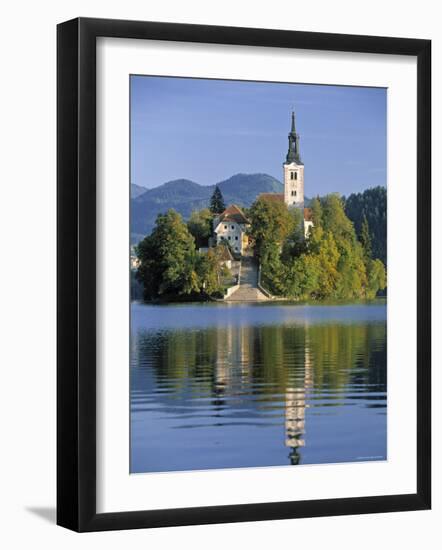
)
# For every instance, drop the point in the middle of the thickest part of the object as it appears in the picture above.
(246, 385)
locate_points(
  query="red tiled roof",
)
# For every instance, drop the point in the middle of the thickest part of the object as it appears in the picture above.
(233, 214)
(274, 197)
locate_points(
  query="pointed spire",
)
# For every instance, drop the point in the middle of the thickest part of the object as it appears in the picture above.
(293, 154)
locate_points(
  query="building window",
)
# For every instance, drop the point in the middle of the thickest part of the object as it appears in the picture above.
(228, 237)
(225, 227)
(293, 193)
(232, 226)
(291, 176)
(296, 175)
(236, 238)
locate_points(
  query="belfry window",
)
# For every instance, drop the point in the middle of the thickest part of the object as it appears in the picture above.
(293, 193)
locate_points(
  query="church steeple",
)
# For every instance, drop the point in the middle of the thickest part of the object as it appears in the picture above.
(293, 171)
(293, 154)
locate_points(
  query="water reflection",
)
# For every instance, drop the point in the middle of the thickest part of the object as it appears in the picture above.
(242, 394)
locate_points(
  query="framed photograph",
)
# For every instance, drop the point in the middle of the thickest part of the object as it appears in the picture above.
(244, 241)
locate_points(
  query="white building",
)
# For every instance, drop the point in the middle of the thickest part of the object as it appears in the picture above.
(230, 227)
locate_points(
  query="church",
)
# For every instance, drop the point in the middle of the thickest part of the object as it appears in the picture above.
(231, 225)
(293, 172)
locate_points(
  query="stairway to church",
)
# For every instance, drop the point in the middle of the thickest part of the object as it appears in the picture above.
(248, 290)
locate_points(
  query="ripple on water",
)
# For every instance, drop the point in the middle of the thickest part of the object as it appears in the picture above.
(217, 387)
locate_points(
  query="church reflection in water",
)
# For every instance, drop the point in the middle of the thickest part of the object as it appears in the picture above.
(234, 385)
(238, 366)
(295, 406)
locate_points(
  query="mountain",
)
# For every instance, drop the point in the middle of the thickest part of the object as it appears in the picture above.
(186, 195)
(136, 190)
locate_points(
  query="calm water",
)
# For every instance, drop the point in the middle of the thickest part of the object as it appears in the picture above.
(223, 386)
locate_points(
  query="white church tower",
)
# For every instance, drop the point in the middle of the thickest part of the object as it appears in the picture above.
(293, 171)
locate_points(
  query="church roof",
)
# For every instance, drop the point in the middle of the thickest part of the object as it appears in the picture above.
(274, 197)
(308, 215)
(233, 213)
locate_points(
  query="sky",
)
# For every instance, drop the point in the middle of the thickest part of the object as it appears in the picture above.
(208, 130)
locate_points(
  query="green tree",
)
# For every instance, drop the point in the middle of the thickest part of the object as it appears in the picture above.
(208, 273)
(327, 258)
(365, 238)
(217, 204)
(295, 243)
(272, 269)
(200, 226)
(168, 259)
(372, 204)
(334, 218)
(270, 222)
(303, 277)
(377, 278)
(316, 208)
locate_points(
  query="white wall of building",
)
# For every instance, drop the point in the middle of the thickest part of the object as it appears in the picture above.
(233, 233)
(294, 184)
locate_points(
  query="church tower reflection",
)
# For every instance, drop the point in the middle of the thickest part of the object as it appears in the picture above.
(295, 406)
(233, 359)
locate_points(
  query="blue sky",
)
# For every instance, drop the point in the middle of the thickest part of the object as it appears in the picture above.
(208, 130)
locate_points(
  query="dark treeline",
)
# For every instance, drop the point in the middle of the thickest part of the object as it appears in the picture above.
(372, 206)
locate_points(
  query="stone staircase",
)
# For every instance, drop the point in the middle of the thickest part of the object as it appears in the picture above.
(248, 290)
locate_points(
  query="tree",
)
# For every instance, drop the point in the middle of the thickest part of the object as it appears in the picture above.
(334, 218)
(327, 258)
(316, 208)
(209, 271)
(295, 243)
(272, 269)
(303, 277)
(168, 258)
(200, 226)
(372, 204)
(365, 239)
(377, 278)
(217, 204)
(331, 264)
(270, 222)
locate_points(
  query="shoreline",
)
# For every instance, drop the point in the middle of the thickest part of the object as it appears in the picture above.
(381, 300)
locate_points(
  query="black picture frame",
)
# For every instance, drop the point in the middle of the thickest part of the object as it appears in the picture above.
(76, 273)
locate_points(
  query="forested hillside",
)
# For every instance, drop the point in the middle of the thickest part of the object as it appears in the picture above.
(372, 205)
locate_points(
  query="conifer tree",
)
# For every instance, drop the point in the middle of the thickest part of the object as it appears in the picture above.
(365, 238)
(217, 204)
